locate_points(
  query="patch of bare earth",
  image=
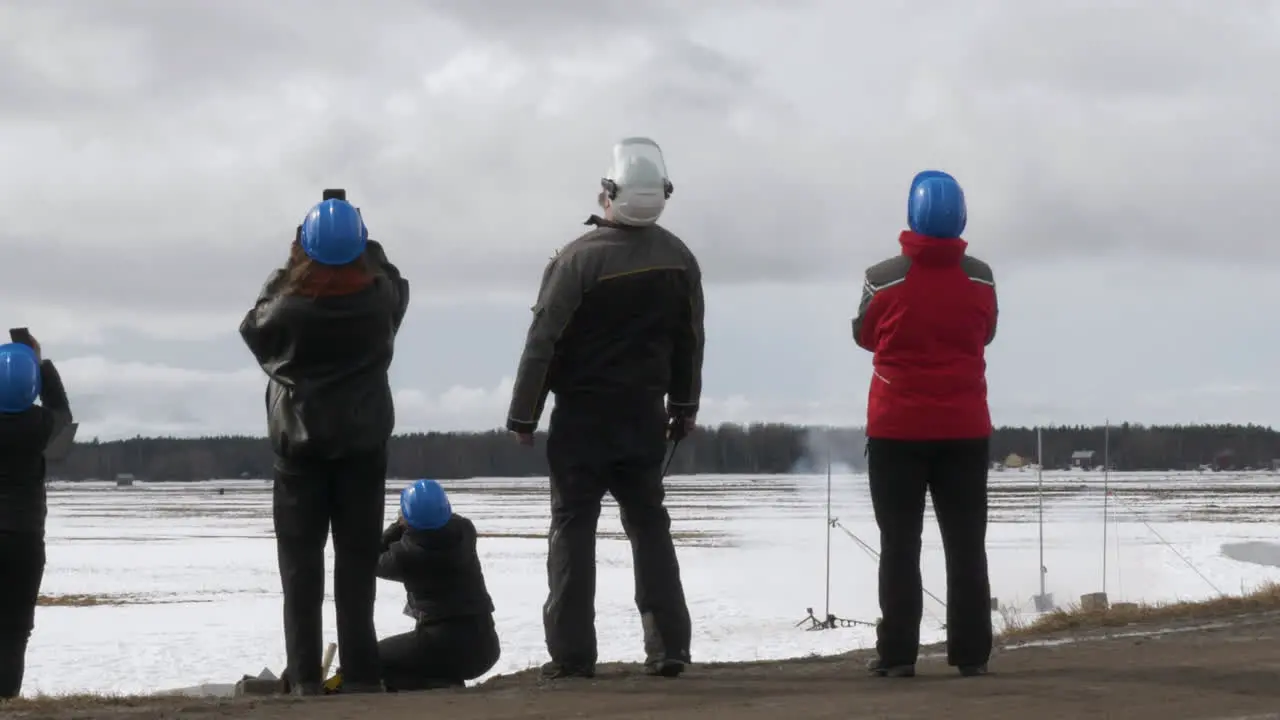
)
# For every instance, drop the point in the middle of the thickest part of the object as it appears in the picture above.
(1218, 660)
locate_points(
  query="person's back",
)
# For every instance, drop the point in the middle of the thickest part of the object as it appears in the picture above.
(26, 430)
(323, 330)
(620, 344)
(617, 327)
(327, 349)
(928, 315)
(432, 551)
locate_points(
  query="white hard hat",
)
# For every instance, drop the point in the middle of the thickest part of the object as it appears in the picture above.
(636, 183)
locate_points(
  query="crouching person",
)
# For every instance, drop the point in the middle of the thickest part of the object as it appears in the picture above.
(26, 429)
(432, 550)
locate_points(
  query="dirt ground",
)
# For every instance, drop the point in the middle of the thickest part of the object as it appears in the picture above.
(1226, 672)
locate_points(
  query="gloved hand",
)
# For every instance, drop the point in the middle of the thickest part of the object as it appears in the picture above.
(392, 534)
(679, 426)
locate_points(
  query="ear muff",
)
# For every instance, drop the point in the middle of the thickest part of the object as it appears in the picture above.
(611, 188)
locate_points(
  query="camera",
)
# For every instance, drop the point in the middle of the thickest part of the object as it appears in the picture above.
(334, 194)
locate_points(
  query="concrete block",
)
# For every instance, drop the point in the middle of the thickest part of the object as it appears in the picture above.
(253, 687)
(1094, 602)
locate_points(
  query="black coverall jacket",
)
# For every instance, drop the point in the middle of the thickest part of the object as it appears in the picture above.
(618, 321)
(23, 439)
(440, 570)
(328, 360)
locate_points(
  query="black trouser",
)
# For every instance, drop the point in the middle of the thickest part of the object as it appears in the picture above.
(21, 571)
(954, 473)
(350, 493)
(621, 451)
(439, 654)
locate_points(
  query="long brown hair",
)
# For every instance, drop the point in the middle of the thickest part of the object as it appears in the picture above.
(308, 278)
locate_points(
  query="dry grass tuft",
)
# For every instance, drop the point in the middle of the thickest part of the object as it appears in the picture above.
(107, 599)
(1075, 619)
(78, 600)
(82, 706)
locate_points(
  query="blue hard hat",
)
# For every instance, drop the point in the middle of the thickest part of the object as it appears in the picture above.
(333, 233)
(19, 377)
(425, 506)
(936, 206)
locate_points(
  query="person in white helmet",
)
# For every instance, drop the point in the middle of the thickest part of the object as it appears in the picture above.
(617, 329)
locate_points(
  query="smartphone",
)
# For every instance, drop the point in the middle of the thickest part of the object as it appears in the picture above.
(22, 336)
(334, 194)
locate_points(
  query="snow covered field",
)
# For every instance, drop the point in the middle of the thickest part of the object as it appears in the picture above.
(752, 551)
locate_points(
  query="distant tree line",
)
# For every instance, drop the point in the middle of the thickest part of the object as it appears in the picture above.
(758, 449)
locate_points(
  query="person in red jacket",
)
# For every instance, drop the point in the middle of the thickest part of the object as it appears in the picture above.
(928, 315)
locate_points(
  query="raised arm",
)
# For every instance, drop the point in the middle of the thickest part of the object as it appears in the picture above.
(259, 329)
(53, 397)
(399, 286)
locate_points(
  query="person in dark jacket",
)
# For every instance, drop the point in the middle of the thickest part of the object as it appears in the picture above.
(432, 550)
(618, 326)
(324, 332)
(928, 315)
(26, 430)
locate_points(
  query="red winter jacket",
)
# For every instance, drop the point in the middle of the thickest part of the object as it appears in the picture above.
(928, 315)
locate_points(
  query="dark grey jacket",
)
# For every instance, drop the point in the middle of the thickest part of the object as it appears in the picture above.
(440, 570)
(327, 360)
(619, 319)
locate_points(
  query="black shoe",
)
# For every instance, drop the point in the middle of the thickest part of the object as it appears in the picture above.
(879, 669)
(563, 671)
(357, 688)
(667, 667)
(307, 689)
(973, 670)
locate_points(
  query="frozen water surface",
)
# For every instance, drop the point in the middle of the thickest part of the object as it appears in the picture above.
(752, 551)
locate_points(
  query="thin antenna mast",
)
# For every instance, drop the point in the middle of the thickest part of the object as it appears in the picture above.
(827, 615)
(1040, 496)
(1106, 499)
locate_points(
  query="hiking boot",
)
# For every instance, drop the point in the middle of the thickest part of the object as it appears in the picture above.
(879, 669)
(307, 689)
(563, 671)
(360, 688)
(972, 670)
(667, 667)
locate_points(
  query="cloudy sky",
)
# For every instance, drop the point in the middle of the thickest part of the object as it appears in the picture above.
(1119, 158)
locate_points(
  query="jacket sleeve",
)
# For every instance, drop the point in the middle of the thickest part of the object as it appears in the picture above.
(399, 286)
(394, 532)
(389, 567)
(879, 278)
(558, 300)
(995, 313)
(53, 397)
(863, 324)
(685, 390)
(261, 329)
